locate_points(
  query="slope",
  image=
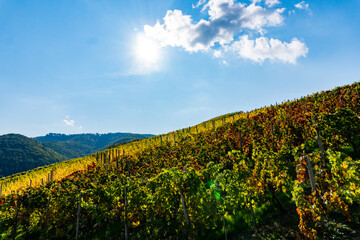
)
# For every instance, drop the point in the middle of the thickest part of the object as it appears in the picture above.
(289, 171)
(19, 153)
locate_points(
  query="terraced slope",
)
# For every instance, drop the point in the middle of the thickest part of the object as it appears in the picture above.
(290, 171)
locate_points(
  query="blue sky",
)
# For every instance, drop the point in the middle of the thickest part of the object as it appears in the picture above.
(157, 66)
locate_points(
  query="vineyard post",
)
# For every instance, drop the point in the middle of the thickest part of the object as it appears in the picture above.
(224, 227)
(125, 208)
(30, 182)
(42, 181)
(319, 141)
(1, 189)
(46, 216)
(125, 204)
(311, 173)
(273, 136)
(186, 215)
(241, 147)
(196, 129)
(318, 137)
(15, 221)
(127, 166)
(253, 215)
(78, 217)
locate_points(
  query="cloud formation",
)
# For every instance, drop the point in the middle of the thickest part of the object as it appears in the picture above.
(271, 3)
(69, 122)
(302, 5)
(225, 29)
(273, 49)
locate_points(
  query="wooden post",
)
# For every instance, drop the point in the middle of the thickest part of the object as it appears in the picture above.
(1, 189)
(319, 141)
(78, 217)
(241, 147)
(273, 137)
(253, 215)
(311, 173)
(48, 205)
(15, 222)
(128, 169)
(224, 227)
(46, 217)
(125, 208)
(318, 138)
(186, 215)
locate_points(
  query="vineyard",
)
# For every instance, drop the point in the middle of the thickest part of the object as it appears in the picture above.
(289, 171)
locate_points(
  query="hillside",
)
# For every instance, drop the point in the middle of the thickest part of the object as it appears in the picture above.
(290, 171)
(79, 145)
(19, 153)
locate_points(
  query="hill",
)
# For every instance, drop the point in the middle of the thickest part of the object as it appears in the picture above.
(79, 145)
(290, 171)
(19, 153)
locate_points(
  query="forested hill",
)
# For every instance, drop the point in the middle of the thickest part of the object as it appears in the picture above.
(19, 153)
(78, 145)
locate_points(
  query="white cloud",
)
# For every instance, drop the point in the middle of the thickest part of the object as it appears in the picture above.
(302, 5)
(271, 3)
(69, 122)
(262, 48)
(199, 3)
(227, 20)
(217, 53)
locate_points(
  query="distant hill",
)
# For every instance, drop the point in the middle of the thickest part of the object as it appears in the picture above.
(19, 153)
(78, 145)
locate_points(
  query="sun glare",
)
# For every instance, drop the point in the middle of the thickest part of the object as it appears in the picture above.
(147, 50)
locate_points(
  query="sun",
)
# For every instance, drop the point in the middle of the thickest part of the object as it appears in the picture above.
(147, 50)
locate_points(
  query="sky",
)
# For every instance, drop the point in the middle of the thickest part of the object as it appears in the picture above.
(86, 66)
